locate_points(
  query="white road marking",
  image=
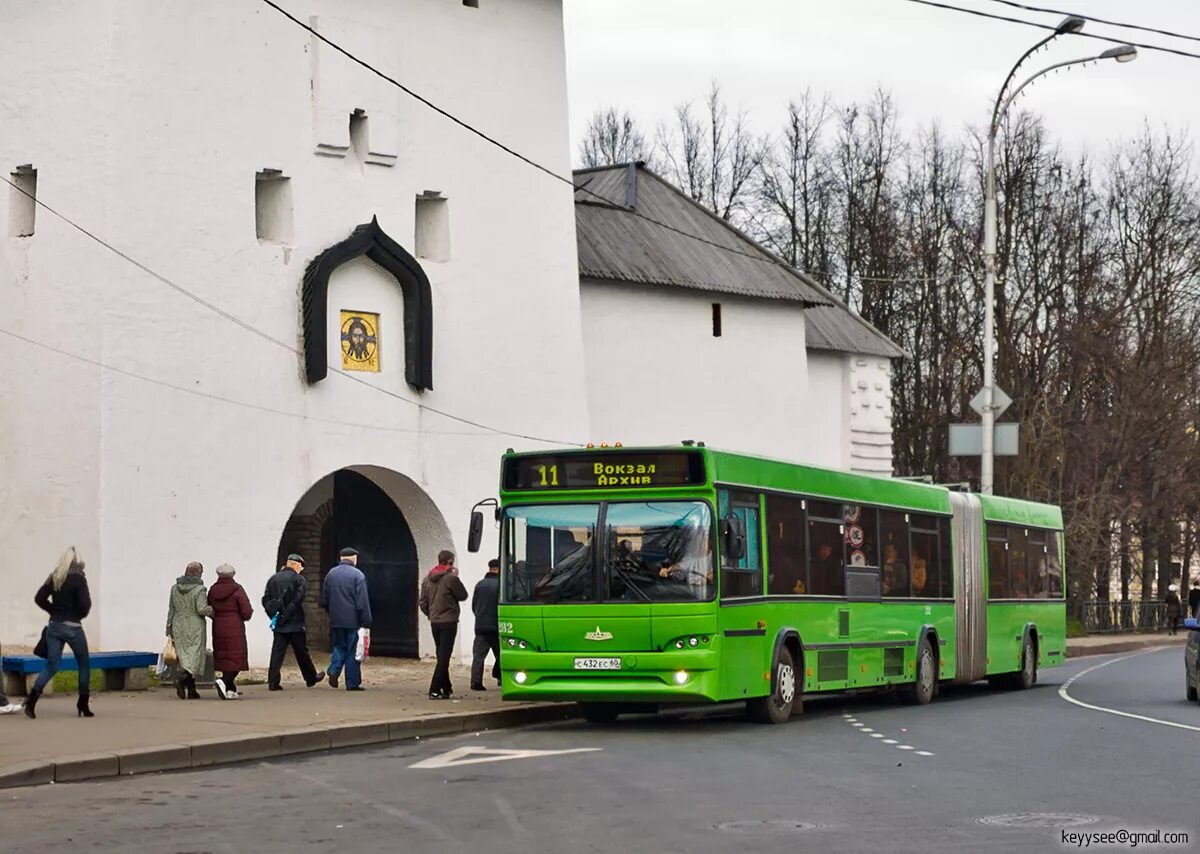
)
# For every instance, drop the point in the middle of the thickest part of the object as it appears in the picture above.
(890, 741)
(476, 755)
(1062, 692)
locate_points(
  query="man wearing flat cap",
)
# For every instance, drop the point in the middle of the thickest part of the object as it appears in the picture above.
(344, 596)
(284, 603)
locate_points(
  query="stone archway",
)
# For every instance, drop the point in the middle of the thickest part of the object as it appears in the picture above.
(397, 529)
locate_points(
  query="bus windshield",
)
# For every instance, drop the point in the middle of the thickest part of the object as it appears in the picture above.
(648, 551)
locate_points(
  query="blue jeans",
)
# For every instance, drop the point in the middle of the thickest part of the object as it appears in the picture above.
(58, 634)
(343, 643)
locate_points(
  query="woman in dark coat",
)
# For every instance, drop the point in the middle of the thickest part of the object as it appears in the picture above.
(230, 611)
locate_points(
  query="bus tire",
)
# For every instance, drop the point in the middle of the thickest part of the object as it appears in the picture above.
(599, 713)
(921, 691)
(1026, 677)
(776, 708)
(1192, 694)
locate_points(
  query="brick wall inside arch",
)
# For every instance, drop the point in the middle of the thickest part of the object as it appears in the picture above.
(311, 537)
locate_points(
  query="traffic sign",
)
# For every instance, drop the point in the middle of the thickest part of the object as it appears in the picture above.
(1000, 401)
(966, 440)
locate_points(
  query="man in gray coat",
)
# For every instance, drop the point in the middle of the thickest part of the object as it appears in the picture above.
(344, 596)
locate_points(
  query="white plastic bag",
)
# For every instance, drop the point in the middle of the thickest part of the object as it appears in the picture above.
(363, 648)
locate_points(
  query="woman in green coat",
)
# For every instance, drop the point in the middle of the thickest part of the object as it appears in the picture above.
(186, 627)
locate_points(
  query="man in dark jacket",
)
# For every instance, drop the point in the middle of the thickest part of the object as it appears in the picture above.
(344, 596)
(485, 602)
(284, 603)
(1194, 599)
(441, 591)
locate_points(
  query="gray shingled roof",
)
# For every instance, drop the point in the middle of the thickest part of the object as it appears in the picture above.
(616, 244)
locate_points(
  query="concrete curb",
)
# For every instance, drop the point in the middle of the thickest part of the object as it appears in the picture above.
(1123, 645)
(242, 748)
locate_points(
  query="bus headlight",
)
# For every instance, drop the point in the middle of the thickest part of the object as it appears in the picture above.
(693, 641)
(681, 677)
(519, 677)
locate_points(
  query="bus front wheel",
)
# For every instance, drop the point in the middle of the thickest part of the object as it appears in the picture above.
(777, 707)
(599, 713)
(921, 692)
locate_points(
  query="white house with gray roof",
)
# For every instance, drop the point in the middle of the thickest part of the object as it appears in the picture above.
(693, 330)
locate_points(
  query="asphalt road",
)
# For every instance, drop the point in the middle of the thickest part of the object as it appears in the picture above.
(837, 779)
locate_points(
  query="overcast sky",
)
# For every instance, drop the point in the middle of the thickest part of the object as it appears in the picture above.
(648, 55)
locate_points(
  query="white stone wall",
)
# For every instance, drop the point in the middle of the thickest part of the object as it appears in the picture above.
(870, 414)
(656, 374)
(147, 123)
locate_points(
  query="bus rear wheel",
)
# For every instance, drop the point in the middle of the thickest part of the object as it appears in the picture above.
(599, 713)
(921, 692)
(777, 707)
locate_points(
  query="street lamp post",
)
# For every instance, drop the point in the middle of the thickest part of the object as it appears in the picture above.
(1122, 53)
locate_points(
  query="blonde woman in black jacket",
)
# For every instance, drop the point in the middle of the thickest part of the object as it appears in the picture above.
(65, 597)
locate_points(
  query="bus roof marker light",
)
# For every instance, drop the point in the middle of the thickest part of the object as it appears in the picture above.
(590, 445)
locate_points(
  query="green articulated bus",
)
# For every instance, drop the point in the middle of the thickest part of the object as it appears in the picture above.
(633, 578)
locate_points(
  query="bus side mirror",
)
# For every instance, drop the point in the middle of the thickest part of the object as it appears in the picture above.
(476, 535)
(733, 538)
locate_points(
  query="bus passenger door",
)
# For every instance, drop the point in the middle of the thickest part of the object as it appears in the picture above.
(745, 664)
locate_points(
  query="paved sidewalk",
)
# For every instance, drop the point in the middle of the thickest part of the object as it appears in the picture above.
(143, 731)
(1108, 644)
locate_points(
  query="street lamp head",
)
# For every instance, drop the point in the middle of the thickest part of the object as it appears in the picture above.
(1069, 25)
(1121, 53)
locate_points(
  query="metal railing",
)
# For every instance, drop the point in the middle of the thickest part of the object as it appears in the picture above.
(1101, 616)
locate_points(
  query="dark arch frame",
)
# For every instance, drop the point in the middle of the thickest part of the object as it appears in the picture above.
(370, 240)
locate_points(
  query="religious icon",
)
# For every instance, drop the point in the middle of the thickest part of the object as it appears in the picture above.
(360, 341)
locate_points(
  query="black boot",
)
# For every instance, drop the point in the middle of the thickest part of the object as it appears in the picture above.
(82, 707)
(192, 693)
(31, 702)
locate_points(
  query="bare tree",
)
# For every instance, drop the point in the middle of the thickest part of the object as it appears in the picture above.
(612, 138)
(713, 158)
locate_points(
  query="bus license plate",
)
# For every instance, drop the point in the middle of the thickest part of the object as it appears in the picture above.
(597, 664)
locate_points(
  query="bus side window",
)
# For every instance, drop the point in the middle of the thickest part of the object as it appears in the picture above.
(742, 577)
(894, 529)
(997, 558)
(785, 546)
(1054, 573)
(826, 549)
(946, 553)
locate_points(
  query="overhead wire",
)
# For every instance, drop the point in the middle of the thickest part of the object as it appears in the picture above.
(216, 397)
(1169, 33)
(1112, 40)
(491, 140)
(249, 327)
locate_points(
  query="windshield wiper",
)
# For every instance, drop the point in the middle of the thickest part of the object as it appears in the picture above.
(629, 583)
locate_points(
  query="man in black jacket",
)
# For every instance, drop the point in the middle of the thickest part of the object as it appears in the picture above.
(1194, 599)
(284, 603)
(485, 602)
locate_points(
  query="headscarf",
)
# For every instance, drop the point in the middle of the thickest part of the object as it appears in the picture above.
(195, 569)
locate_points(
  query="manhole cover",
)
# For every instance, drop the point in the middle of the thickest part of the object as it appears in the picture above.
(775, 825)
(1039, 819)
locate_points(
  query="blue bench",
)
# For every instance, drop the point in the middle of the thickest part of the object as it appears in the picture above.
(123, 671)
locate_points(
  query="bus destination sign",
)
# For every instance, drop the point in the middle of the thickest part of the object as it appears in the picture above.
(604, 470)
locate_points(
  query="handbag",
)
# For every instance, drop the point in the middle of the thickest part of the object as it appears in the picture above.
(168, 654)
(40, 650)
